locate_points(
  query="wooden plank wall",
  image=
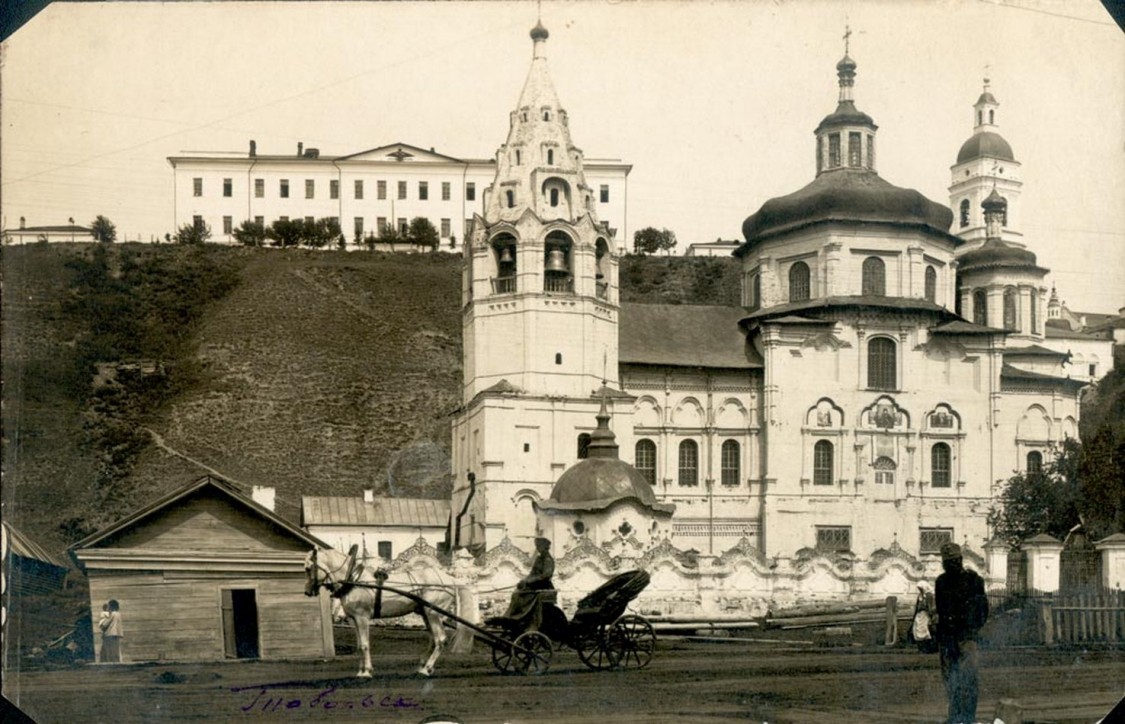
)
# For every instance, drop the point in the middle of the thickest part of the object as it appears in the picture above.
(178, 617)
(1084, 618)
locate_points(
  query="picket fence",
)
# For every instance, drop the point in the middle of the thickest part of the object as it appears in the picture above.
(1084, 618)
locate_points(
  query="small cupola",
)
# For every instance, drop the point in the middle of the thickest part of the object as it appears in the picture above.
(995, 214)
(845, 139)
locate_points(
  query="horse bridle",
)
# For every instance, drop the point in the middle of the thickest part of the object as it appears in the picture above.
(329, 581)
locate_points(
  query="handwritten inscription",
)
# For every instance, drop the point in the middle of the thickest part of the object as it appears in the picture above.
(274, 698)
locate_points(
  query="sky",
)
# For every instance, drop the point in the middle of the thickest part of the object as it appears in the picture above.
(713, 103)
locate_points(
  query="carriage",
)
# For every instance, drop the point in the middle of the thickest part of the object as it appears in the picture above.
(603, 634)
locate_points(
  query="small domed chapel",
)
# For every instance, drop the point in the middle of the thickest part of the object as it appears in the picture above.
(885, 372)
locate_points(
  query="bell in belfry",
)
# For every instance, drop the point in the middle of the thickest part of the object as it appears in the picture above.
(506, 256)
(556, 261)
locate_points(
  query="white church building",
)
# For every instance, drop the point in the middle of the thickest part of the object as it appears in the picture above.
(886, 371)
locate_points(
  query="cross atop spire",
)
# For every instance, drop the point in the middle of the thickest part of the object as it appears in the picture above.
(847, 37)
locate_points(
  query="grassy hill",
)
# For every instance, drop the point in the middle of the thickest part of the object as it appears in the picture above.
(132, 369)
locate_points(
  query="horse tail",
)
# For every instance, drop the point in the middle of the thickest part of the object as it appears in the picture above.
(466, 602)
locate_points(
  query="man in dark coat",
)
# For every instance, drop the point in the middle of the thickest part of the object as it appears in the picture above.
(525, 599)
(962, 609)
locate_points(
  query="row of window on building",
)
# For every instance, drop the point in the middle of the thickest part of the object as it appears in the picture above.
(835, 152)
(358, 189)
(838, 539)
(1010, 307)
(730, 462)
(873, 282)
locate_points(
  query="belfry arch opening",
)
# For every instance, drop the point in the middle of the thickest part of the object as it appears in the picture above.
(558, 263)
(601, 261)
(556, 195)
(504, 263)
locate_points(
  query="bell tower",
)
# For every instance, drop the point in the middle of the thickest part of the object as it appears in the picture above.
(540, 273)
(539, 323)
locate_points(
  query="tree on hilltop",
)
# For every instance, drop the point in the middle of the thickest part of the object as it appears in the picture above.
(650, 240)
(103, 230)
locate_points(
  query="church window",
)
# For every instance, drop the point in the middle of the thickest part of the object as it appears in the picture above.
(511, 198)
(992, 116)
(644, 459)
(885, 471)
(980, 308)
(732, 462)
(874, 277)
(1034, 463)
(882, 364)
(1034, 316)
(980, 117)
(833, 538)
(930, 540)
(931, 284)
(1010, 309)
(550, 156)
(689, 463)
(833, 150)
(584, 446)
(755, 290)
(799, 282)
(546, 115)
(384, 549)
(855, 149)
(554, 197)
(964, 213)
(940, 465)
(870, 151)
(517, 157)
(822, 463)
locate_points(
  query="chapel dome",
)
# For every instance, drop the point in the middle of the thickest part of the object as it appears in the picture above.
(986, 144)
(997, 253)
(600, 482)
(846, 194)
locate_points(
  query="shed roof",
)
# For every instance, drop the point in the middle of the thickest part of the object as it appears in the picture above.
(684, 336)
(224, 487)
(1015, 373)
(1033, 350)
(960, 326)
(26, 548)
(382, 511)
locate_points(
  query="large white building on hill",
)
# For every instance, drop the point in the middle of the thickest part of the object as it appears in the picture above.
(362, 191)
(889, 366)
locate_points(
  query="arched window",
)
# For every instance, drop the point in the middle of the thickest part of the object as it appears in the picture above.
(939, 465)
(644, 459)
(833, 150)
(755, 290)
(554, 197)
(964, 213)
(799, 282)
(689, 463)
(550, 156)
(732, 462)
(874, 277)
(931, 284)
(1033, 317)
(980, 117)
(583, 446)
(992, 116)
(511, 198)
(546, 115)
(980, 308)
(882, 364)
(822, 463)
(1010, 321)
(885, 471)
(1034, 463)
(517, 157)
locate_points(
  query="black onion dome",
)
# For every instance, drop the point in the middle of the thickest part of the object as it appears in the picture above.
(994, 202)
(985, 144)
(602, 481)
(997, 253)
(846, 64)
(846, 114)
(987, 97)
(846, 195)
(539, 32)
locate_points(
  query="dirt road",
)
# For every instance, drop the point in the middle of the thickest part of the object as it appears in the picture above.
(688, 680)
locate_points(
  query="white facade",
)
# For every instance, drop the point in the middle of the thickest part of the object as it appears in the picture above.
(389, 184)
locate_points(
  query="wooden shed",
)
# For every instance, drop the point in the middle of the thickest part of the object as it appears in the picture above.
(207, 573)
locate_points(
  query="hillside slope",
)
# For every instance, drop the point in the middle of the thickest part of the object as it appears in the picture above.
(317, 372)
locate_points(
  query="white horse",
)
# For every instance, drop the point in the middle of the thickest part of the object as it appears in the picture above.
(328, 568)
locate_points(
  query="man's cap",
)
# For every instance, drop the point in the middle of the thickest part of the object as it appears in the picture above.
(949, 551)
(545, 541)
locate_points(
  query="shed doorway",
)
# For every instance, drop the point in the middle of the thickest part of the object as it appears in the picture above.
(240, 623)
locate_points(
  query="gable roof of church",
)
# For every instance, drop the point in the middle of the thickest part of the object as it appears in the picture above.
(681, 335)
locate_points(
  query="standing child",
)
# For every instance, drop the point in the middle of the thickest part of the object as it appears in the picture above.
(112, 632)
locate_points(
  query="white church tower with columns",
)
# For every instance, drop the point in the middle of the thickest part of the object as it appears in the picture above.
(539, 320)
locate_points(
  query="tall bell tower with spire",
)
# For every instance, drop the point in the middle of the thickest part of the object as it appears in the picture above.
(539, 316)
(985, 164)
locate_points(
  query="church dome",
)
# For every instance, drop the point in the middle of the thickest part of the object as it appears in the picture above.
(601, 482)
(985, 144)
(997, 253)
(846, 195)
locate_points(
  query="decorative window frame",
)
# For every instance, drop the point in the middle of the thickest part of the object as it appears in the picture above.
(953, 436)
(812, 432)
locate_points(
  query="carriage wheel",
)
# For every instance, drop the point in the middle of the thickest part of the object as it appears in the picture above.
(531, 654)
(594, 651)
(502, 657)
(631, 641)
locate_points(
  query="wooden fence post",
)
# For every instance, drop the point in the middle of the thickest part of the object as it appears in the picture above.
(1047, 618)
(891, 637)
